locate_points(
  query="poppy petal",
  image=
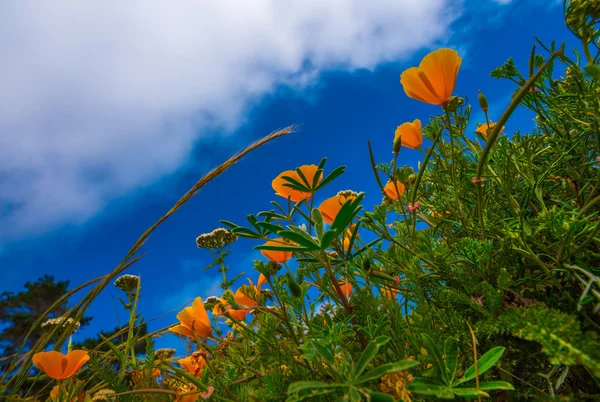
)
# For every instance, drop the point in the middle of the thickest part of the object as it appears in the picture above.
(76, 359)
(49, 363)
(441, 68)
(181, 330)
(415, 88)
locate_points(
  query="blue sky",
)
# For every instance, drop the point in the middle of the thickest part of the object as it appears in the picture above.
(77, 221)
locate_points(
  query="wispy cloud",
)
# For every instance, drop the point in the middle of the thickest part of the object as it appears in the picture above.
(102, 97)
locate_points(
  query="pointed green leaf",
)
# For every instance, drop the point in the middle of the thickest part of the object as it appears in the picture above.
(369, 354)
(327, 238)
(317, 218)
(426, 386)
(294, 249)
(331, 177)
(378, 396)
(434, 351)
(244, 232)
(496, 385)
(324, 354)
(451, 352)
(484, 363)
(386, 369)
(299, 239)
(301, 386)
(230, 224)
(270, 227)
(295, 184)
(469, 392)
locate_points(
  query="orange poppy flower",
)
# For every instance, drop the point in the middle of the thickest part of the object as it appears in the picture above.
(193, 364)
(433, 81)
(346, 288)
(193, 320)
(410, 133)
(277, 256)
(483, 129)
(331, 207)
(261, 281)
(309, 171)
(184, 389)
(242, 295)
(222, 308)
(390, 190)
(59, 366)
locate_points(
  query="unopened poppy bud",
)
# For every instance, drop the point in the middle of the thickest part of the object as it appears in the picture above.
(483, 103)
(295, 289)
(367, 264)
(397, 145)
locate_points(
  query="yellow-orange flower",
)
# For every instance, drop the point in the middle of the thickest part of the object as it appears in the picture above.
(346, 288)
(410, 134)
(433, 81)
(242, 295)
(277, 256)
(390, 293)
(484, 129)
(390, 190)
(438, 215)
(280, 184)
(221, 308)
(261, 281)
(193, 364)
(193, 320)
(331, 206)
(59, 366)
(55, 393)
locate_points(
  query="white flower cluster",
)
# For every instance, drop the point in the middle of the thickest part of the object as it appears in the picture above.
(218, 238)
(127, 283)
(61, 322)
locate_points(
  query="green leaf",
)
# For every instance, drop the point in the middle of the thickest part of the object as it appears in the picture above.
(294, 249)
(434, 351)
(378, 396)
(386, 369)
(245, 232)
(299, 239)
(295, 184)
(496, 385)
(324, 354)
(451, 352)
(369, 354)
(230, 224)
(331, 177)
(317, 218)
(327, 238)
(469, 392)
(426, 386)
(484, 363)
(301, 386)
(270, 227)
(346, 213)
(303, 178)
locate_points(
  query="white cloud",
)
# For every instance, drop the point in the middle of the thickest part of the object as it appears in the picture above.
(101, 97)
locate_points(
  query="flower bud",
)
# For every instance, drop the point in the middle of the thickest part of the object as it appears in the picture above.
(483, 103)
(295, 289)
(397, 145)
(367, 264)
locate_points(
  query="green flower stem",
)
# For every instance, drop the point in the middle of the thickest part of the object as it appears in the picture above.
(496, 131)
(286, 319)
(424, 165)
